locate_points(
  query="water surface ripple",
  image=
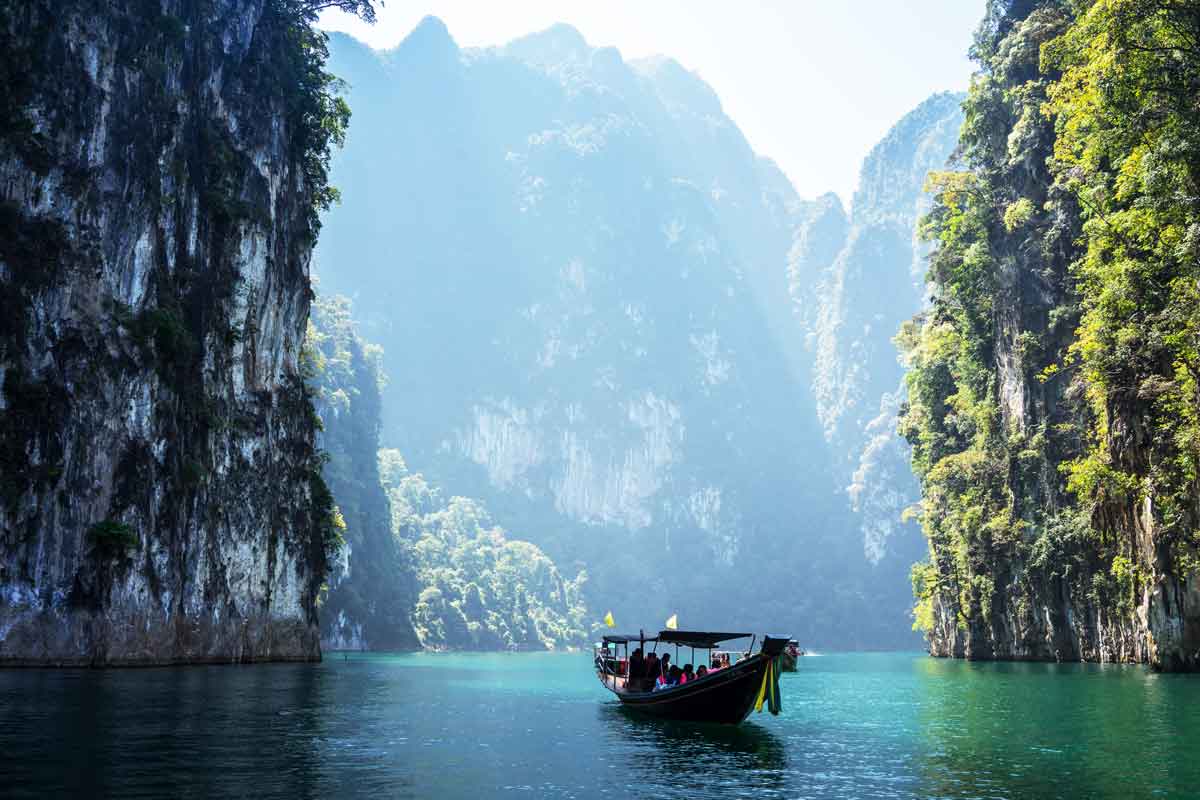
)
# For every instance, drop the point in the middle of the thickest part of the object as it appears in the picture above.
(540, 725)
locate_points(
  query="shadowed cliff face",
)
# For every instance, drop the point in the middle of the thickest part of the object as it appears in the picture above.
(371, 586)
(578, 271)
(158, 497)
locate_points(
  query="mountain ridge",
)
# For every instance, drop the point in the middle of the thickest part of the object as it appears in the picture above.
(601, 320)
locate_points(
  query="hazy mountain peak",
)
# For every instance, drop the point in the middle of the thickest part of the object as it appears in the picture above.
(431, 39)
(830, 199)
(355, 56)
(430, 26)
(893, 174)
(677, 85)
(607, 59)
(559, 44)
(829, 209)
(563, 35)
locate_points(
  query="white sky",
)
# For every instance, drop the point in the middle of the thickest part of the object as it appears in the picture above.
(813, 84)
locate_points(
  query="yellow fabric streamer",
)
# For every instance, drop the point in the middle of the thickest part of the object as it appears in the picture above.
(762, 690)
(608, 620)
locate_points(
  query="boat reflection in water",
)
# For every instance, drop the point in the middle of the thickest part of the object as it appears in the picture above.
(725, 694)
(702, 759)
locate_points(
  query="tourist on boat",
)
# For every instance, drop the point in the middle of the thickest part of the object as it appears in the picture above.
(664, 665)
(637, 665)
(652, 670)
(669, 679)
(701, 672)
(689, 674)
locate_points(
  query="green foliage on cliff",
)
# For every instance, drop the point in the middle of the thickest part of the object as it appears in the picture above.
(316, 113)
(985, 474)
(328, 521)
(1128, 146)
(413, 560)
(371, 586)
(480, 589)
(1053, 387)
(112, 538)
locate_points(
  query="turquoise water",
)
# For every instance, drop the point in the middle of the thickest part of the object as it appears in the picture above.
(861, 725)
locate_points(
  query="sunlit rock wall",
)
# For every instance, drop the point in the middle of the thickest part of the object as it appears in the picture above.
(577, 268)
(603, 314)
(852, 301)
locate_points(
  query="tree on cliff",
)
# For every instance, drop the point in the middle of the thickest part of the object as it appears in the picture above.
(1128, 146)
(1053, 392)
(481, 590)
(371, 588)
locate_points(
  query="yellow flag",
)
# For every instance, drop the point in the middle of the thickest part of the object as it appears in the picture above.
(673, 622)
(608, 620)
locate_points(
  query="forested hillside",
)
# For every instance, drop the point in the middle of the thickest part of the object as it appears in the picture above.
(372, 587)
(415, 569)
(1054, 411)
(579, 273)
(480, 589)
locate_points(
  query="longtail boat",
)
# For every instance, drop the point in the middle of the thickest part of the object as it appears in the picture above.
(726, 694)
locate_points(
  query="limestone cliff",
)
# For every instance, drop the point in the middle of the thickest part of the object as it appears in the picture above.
(853, 280)
(372, 589)
(160, 168)
(1052, 398)
(587, 265)
(576, 267)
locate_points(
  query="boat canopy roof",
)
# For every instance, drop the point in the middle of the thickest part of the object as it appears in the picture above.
(621, 638)
(684, 638)
(699, 638)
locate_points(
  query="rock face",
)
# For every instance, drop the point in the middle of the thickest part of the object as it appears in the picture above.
(852, 297)
(576, 294)
(160, 491)
(417, 569)
(1049, 537)
(593, 291)
(372, 587)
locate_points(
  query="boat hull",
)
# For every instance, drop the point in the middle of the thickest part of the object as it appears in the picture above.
(724, 697)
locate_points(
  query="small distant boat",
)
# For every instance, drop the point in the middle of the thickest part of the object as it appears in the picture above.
(787, 659)
(725, 695)
(790, 655)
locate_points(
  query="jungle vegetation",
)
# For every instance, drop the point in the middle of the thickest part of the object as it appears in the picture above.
(1053, 385)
